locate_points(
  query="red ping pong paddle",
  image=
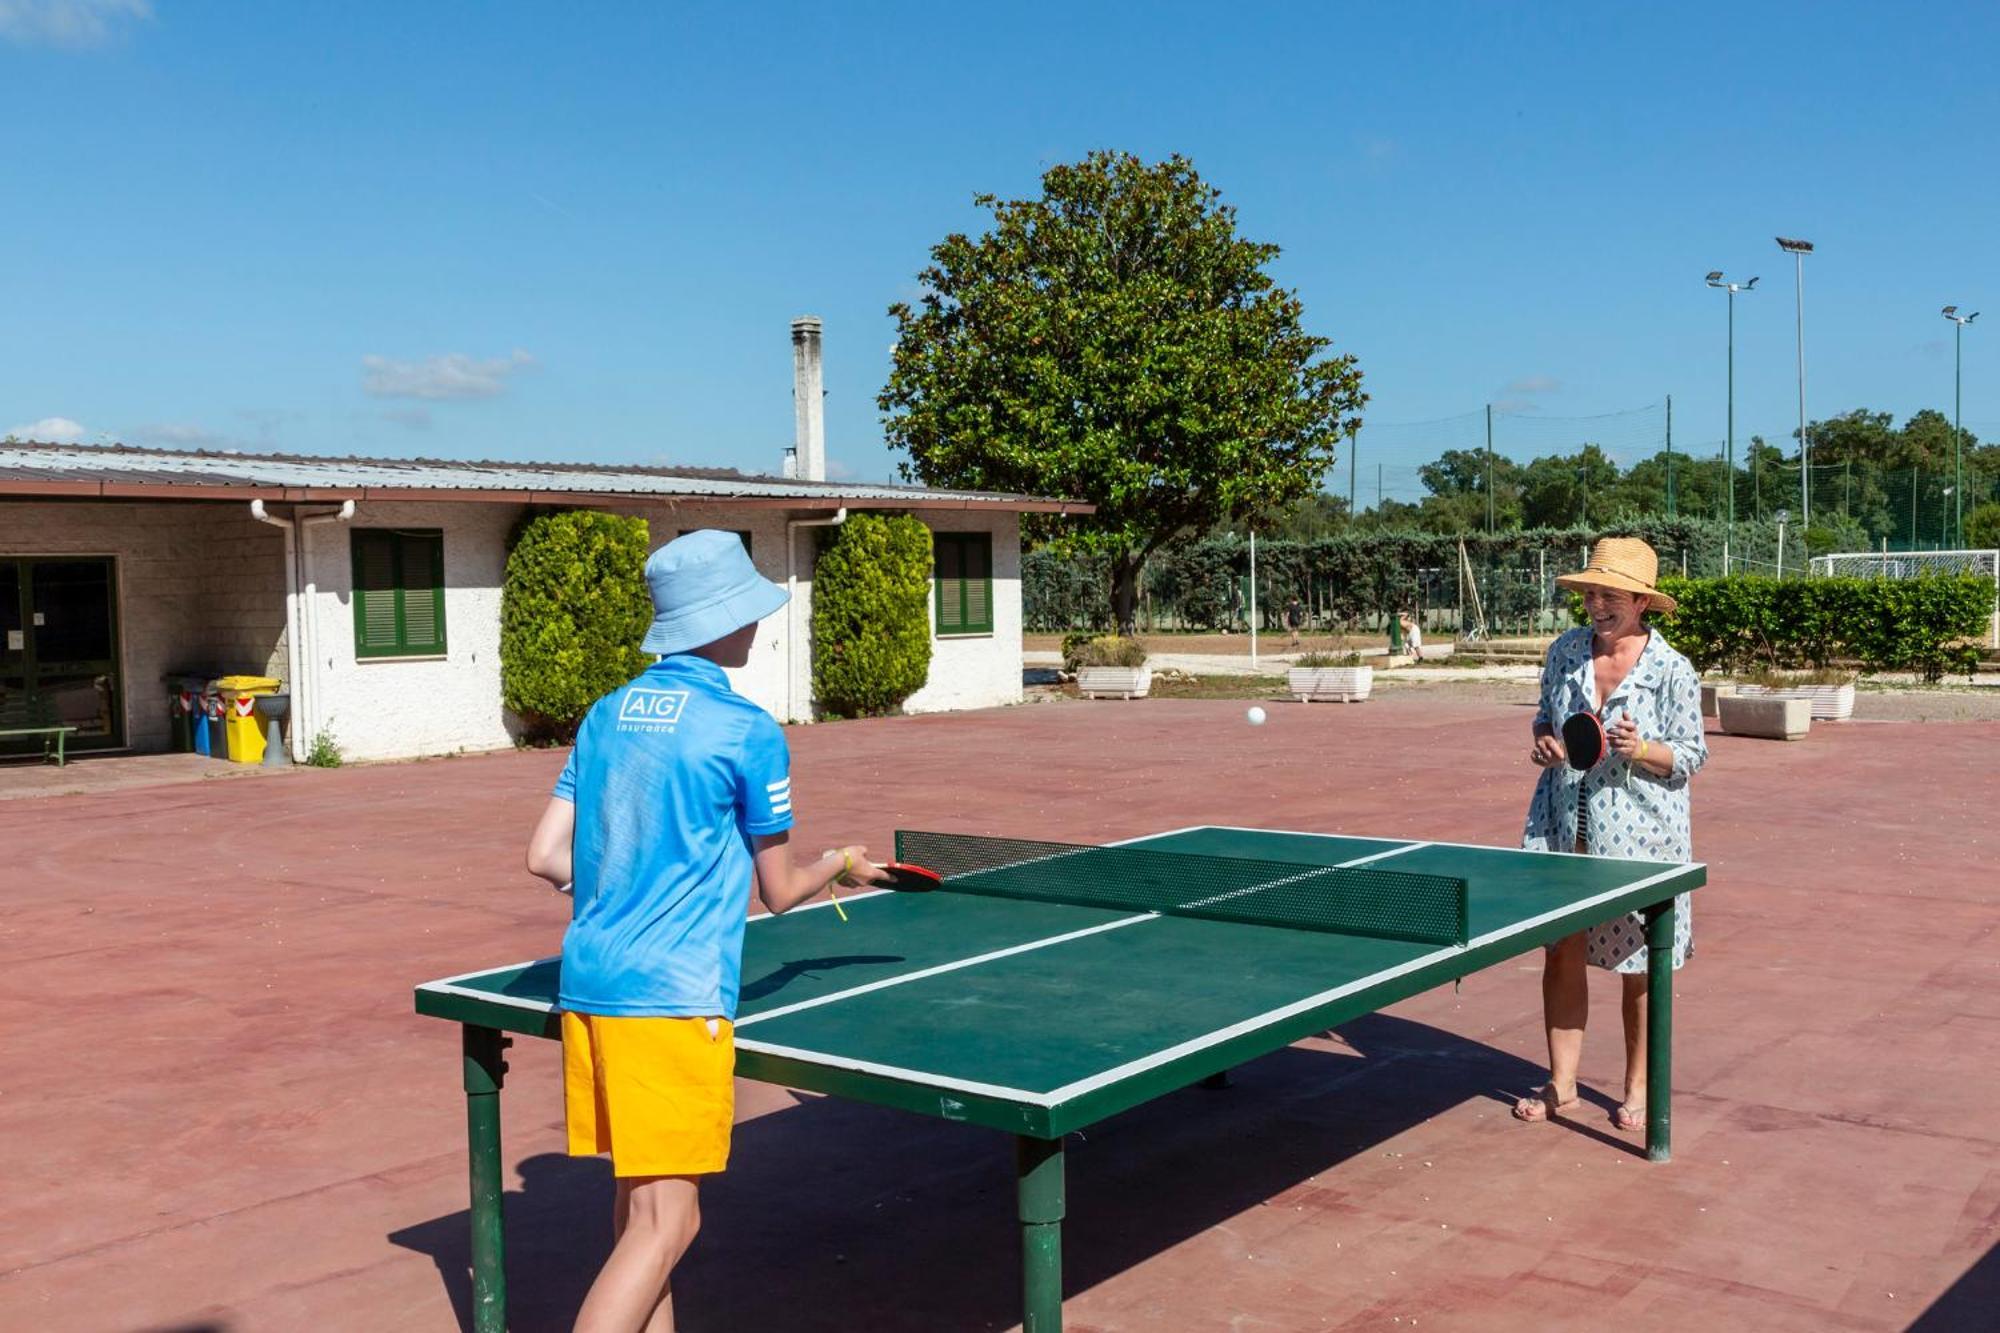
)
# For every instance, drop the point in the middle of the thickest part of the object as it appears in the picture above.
(1583, 740)
(904, 878)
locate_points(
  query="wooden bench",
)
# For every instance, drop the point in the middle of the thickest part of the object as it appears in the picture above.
(23, 715)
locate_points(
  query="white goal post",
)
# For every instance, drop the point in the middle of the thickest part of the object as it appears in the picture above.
(1912, 564)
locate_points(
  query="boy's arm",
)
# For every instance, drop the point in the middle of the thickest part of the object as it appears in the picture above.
(549, 845)
(783, 885)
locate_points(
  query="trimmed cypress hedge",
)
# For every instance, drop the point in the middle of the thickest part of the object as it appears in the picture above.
(871, 623)
(573, 608)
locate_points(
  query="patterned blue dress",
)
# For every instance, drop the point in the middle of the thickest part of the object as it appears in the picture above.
(1631, 812)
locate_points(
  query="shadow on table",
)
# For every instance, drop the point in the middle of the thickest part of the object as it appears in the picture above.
(836, 1215)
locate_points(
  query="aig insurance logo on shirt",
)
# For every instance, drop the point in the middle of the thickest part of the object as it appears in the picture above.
(647, 709)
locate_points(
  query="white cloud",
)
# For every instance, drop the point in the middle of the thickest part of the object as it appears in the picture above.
(452, 376)
(49, 430)
(71, 23)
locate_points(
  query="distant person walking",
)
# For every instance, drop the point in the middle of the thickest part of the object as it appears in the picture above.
(1295, 616)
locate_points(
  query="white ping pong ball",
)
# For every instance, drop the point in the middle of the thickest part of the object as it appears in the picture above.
(1256, 716)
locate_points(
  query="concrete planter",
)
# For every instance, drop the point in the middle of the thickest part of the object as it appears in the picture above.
(1830, 703)
(1346, 685)
(1114, 682)
(1710, 693)
(1771, 718)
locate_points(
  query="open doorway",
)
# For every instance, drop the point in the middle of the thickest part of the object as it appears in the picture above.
(59, 648)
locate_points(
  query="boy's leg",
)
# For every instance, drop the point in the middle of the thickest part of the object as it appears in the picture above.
(656, 1219)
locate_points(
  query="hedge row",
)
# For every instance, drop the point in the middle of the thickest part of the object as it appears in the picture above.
(1927, 625)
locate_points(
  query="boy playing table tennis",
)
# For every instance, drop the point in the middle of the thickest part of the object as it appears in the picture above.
(676, 788)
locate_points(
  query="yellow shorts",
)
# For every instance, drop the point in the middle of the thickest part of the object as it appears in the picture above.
(658, 1094)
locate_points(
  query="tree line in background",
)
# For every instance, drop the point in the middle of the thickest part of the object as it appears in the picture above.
(1871, 481)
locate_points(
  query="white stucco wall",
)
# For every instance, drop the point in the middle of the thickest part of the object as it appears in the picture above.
(978, 670)
(203, 584)
(197, 585)
(763, 678)
(401, 707)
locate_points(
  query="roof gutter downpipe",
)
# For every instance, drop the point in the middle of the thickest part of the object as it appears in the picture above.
(301, 624)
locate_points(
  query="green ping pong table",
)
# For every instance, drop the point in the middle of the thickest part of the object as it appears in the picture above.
(1049, 986)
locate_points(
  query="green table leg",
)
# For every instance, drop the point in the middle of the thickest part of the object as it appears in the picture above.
(1659, 1030)
(485, 1072)
(1038, 1165)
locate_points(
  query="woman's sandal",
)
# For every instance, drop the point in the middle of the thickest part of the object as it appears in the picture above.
(1629, 1118)
(1544, 1106)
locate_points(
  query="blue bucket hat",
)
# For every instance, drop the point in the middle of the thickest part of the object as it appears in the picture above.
(704, 588)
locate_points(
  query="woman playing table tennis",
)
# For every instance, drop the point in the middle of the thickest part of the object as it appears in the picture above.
(1629, 800)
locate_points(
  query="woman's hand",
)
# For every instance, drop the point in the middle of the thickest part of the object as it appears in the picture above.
(1656, 757)
(1548, 750)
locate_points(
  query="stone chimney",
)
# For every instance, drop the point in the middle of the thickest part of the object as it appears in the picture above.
(807, 461)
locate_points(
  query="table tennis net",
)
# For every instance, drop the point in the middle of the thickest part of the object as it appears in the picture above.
(1349, 900)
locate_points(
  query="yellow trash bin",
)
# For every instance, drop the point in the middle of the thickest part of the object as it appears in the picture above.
(241, 726)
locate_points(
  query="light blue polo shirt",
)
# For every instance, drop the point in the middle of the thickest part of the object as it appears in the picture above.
(672, 776)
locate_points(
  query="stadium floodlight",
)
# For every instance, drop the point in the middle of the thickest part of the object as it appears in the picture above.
(1720, 283)
(1957, 432)
(1798, 250)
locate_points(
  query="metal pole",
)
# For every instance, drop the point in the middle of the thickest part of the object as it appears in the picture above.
(1670, 455)
(1253, 597)
(1039, 1195)
(1958, 435)
(1659, 1030)
(1353, 459)
(485, 1072)
(1489, 467)
(1805, 446)
(1729, 467)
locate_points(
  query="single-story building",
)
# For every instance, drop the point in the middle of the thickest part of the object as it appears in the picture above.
(120, 566)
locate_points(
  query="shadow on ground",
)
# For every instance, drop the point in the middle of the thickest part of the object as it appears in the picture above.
(881, 1219)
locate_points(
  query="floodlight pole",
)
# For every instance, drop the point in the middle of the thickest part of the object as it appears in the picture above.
(1798, 250)
(1716, 280)
(1958, 431)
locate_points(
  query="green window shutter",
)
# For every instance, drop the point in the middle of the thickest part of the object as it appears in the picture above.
(964, 582)
(949, 558)
(398, 593)
(422, 591)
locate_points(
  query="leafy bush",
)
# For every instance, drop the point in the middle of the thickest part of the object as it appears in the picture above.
(1742, 623)
(1982, 526)
(573, 609)
(1319, 659)
(1073, 645)
(871, 622)
(324, 751)
(1112, 650)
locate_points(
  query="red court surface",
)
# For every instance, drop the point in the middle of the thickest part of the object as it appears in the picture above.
(220, 1113)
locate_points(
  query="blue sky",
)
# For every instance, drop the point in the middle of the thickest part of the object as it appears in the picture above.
(580, 232)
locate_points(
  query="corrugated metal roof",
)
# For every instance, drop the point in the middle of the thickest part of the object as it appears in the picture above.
(36, 468)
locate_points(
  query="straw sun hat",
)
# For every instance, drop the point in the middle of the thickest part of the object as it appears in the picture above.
(1626, 563)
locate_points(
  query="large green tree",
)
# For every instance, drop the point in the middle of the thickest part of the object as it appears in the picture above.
(1115, 340)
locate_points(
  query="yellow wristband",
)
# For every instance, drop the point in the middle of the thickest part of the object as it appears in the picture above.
(846, 864)
(1643, 746)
